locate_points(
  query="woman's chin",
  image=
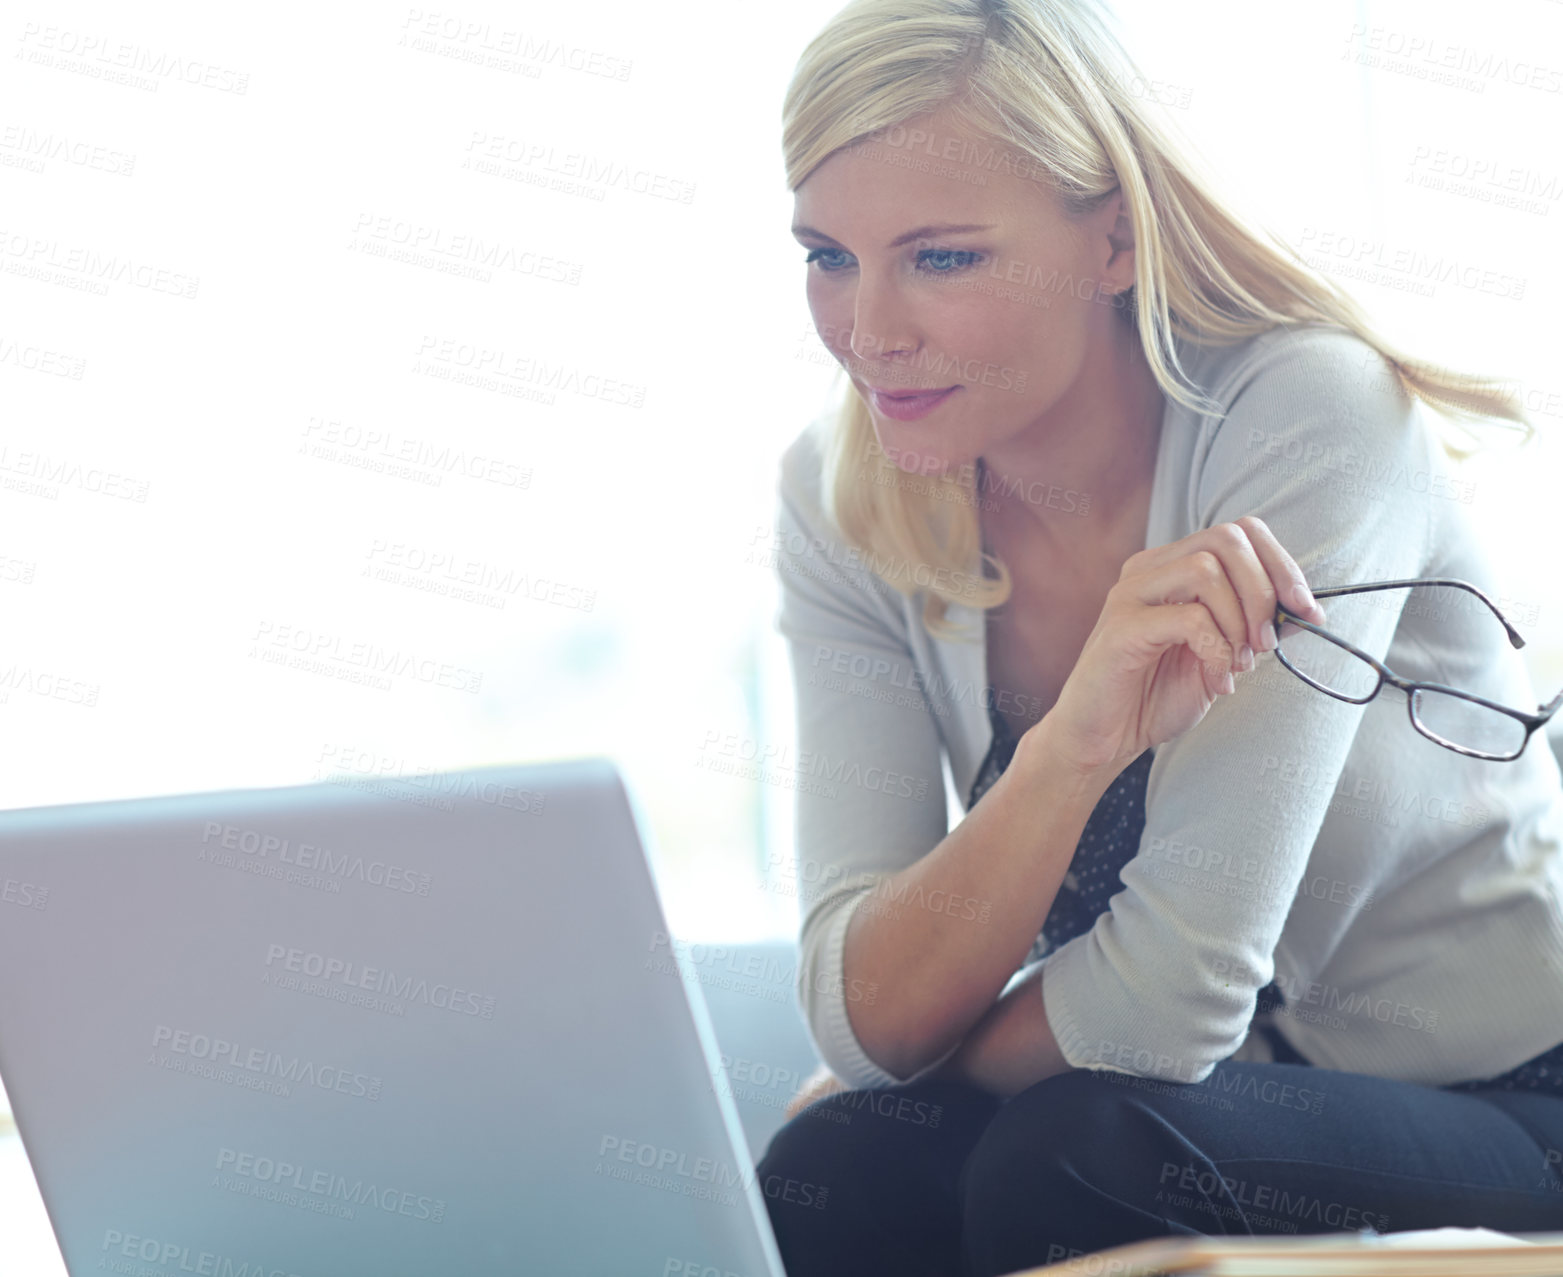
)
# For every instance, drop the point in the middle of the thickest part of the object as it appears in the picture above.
(914, 457)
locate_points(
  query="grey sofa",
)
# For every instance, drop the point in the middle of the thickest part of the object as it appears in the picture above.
(766, 1050)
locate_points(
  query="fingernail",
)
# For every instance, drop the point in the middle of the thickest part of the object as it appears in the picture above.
(1304, 599)
(1267, 640)
(1245, 657)
(1228, 682)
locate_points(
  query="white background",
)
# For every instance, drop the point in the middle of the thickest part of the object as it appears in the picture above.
(348, 136)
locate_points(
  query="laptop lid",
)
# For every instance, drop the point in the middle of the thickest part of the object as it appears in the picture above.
(416, 1026)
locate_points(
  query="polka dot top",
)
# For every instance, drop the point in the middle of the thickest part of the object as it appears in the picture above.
(1110, 840)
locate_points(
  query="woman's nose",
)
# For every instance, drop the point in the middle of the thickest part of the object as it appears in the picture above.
(876, 332)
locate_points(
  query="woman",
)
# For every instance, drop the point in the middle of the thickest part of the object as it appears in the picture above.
(1210, 951)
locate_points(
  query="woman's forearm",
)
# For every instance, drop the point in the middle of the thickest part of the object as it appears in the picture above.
(938, 971)
(1011, 1047)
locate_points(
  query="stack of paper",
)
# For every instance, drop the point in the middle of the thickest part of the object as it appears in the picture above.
(1432, 1252)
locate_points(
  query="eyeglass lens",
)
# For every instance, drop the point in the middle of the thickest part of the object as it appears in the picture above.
(1468, 650)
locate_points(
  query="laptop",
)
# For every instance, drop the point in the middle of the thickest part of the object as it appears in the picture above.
(422, 1026)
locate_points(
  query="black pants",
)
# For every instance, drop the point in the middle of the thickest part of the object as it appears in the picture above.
(942, 1178)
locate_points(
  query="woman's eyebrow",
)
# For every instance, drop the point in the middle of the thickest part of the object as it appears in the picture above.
(922, 232)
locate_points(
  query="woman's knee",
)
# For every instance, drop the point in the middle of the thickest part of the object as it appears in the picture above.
(850, 1131)
(813, 1140)
(1066, 1168)
(805, 1160)
(1058, 1126)
(861, 1170)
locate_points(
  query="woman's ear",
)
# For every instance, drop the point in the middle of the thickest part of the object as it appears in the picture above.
(1114, 224)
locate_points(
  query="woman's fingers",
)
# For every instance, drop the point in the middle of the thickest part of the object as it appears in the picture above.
(1258, 569)
(1282, 569)
(1192, 625)
(1170, 636)
(1253, 578)
(1200, 578)
(821, 1082)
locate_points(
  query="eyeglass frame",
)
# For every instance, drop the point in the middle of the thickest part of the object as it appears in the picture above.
(1531, 722)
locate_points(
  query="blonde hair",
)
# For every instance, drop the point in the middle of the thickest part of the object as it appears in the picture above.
(1047, 79)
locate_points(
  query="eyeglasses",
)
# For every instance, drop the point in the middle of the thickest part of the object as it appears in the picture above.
(1457, 720)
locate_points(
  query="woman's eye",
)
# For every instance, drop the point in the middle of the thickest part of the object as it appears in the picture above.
(935, 261)
(946, 261)
(818, 253)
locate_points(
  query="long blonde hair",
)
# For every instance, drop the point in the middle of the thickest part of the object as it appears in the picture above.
(1048, 79)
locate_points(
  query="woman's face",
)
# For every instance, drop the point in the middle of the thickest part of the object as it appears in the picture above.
(1010, 316)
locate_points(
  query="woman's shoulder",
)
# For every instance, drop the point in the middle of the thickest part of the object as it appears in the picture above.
(801, 485)
(1319, 360)
(802, 462)
(807, 540)
(1311, 426)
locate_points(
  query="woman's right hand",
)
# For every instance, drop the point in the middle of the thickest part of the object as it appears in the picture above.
(820, 1084)
(1169, 640)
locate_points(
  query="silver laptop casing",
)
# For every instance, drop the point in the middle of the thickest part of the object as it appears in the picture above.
(431, 1026)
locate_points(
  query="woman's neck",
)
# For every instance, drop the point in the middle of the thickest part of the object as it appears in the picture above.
(1096, 451)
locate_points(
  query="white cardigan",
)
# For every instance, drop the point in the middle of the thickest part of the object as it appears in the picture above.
(1407, 900)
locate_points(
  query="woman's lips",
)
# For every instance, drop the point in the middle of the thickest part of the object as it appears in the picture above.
(908, 407)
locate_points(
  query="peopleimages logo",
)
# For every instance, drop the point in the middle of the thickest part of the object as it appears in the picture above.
(1211, 1186)
(24, 895)
(1552, 1167)
(376, 980)
(703, 1177)
(121, 1250)
(310, 858)
(279, 1174)
(221, 1054)
(442, 785)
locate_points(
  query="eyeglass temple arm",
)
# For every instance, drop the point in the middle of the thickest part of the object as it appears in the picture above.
(1515, 638)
